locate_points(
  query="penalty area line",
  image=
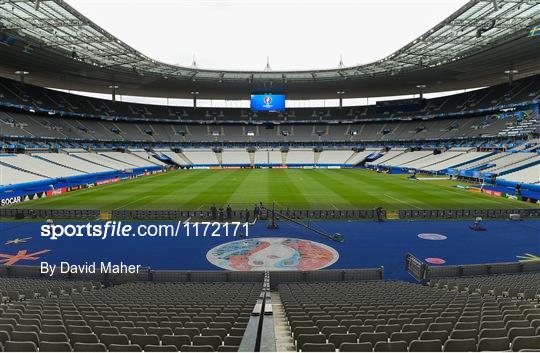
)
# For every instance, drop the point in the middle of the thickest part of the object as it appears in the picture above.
(132, 202)
(405, 202)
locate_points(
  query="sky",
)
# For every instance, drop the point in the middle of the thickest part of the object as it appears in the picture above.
(241, 34)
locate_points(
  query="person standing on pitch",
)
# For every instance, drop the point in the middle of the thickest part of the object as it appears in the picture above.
(229, 212)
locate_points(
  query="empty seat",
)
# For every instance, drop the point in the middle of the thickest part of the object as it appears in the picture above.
(188, 331)
(128, 331)
(309, 338)
(89, 347)
(108, 339)
(53, 328)
(434, 335)
(53, 337)
(396, 346)
(213, 341)
(389, 329)
(338, 338)
(83, 338)
(221, 332)
(464, 334)
(311, 330)
(197, 348)
(373, 337)
(18, 336)
(520, 332)
(177, 341)
(404, 336)
(163, 348)
(356, 347)
(358, 330)
(425, 346)
(124, 348)
(143, 340)
(493, 333)
(460, 345)
(520, 343)
(318, 347)
(161, 331)
(24, 346)
(79, 329)
(493, 344)
(54, 346)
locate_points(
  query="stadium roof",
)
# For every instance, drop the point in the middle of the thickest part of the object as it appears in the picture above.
(473, 47)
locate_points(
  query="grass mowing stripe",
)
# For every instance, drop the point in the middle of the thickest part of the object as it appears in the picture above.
(350, 192)
(323, 193)
(389, 188)
(162, 189)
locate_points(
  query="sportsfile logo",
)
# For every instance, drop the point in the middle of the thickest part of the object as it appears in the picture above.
(121, 230)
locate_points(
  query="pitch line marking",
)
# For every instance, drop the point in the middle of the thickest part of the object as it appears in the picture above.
(405, 202)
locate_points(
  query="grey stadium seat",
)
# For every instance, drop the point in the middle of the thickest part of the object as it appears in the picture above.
(396, 346)
(460, 345)
(54, 346)
(163, 348)
(213, 341)
(425, 346)
(197, 348)
(177, 341)
(318, 347)
(27, 346)
(124, 348)
(89, 347)
(356, 347)
(493, 344)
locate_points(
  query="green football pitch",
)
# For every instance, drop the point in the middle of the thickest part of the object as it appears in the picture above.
(288, 188)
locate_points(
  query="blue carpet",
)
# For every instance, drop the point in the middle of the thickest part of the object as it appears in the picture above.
(367, 244)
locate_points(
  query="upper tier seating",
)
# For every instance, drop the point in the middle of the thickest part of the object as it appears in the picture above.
(459, 159)
(526, 89)
(102, 160)
(9, 176)
(73, 162)
(511, 161)
(388, 156)
(427, 162)
(403, 159)
(175, 157)
(235, 156)
(269, 157)
(148, 158)
(201, 156)
(129, 158)
(335, 156)
(38, 166)
(300, 156)
(530, 175)
(68, 128)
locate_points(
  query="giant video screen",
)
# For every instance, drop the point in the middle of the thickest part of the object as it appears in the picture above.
(267, 102)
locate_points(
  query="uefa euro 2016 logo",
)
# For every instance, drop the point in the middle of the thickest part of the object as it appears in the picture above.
(267, 101)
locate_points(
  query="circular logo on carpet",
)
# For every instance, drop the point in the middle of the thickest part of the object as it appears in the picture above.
(272, 254)
(432, 236)
(435, 261)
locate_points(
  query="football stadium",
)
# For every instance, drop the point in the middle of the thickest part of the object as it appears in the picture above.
(392, 205)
